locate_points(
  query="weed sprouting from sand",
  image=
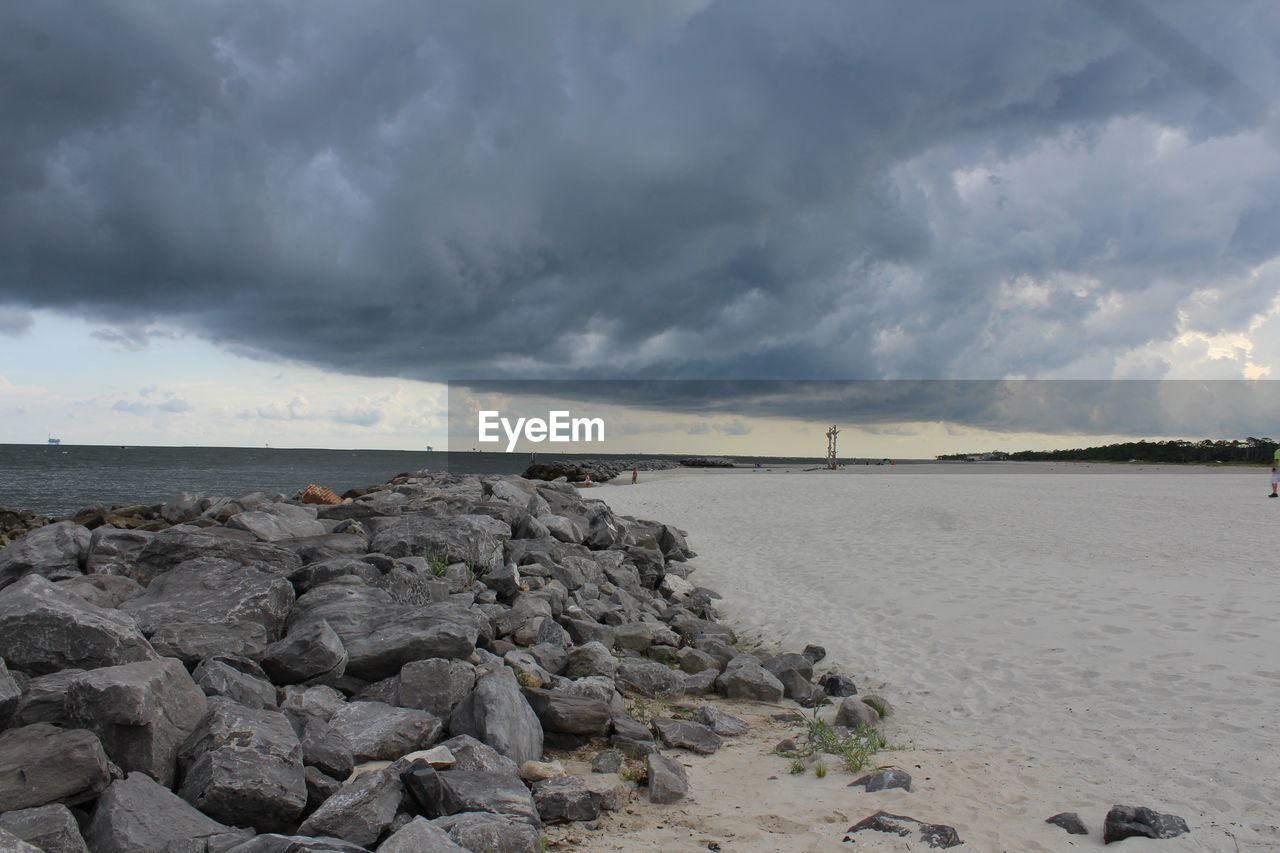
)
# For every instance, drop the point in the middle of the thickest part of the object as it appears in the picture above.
(854, 751)
(797, 766)
(820, 769)
(881, 707)
(643, 709)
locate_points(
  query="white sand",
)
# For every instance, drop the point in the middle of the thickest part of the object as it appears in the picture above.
(1054, 638)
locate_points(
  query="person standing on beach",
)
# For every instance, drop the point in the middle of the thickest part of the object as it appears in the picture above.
(1275, 473)
(635, 472)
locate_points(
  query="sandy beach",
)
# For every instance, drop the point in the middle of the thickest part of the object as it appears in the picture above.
(1053, 638)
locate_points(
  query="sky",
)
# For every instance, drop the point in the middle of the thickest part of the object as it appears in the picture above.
(289, 223)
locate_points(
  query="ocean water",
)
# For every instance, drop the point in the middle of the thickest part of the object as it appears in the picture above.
(58, 480)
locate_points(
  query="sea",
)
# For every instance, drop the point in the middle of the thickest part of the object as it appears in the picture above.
(56, 480)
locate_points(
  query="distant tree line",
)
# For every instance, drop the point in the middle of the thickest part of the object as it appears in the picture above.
(1250, 450)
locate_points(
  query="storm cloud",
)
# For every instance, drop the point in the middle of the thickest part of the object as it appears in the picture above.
(698, 189)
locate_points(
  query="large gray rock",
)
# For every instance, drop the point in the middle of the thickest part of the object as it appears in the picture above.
(142, 712)
(749, 681)
(379, 634)
(275, 843)
(455, 791)
(420, 836)
(650, 678)
(589, 659)
(567, 798)
(668, 782)
(244, 766)
(42, 764)
(569, 714)
(54, 551)
(108, 591)
(361, 812)
(278, 521)
(435, 685)
(137, 815)
(171, 548)
(44, 629)
(497, 713)
(238, 679)
(474, 539)
(1140, 822)
(326, 749)
(684, 734)
(52, 828)
(311, 652)
(10, 843)
(10, 695)
(377, 731)
(482, 832)
(243, 607)
(45, 700)
(718, 721)
(853, 712)
(313, 549)
(470, 754)
(113, 552)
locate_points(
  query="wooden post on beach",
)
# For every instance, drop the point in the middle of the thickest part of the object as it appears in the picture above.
(831, 447)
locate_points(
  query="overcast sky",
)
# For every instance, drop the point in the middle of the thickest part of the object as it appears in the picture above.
(285, 222)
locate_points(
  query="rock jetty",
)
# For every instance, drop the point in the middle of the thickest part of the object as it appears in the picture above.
(599, 470)
(394, 672)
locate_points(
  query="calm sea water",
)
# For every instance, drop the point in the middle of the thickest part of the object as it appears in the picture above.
(58, 480)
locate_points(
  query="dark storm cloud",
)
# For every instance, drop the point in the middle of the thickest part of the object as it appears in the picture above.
(1234, 408)
(737, 189)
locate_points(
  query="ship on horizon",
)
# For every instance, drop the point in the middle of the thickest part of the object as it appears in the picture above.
(53, 440)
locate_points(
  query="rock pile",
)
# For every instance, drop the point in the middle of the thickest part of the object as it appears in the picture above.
(382, 673)
(600, 470)
(707, 462)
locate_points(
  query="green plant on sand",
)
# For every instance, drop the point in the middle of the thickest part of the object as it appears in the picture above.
(854, 751)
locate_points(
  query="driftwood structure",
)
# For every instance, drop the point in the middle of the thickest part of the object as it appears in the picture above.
(831, 446)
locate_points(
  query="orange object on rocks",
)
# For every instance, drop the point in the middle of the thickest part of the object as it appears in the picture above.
(314, 494)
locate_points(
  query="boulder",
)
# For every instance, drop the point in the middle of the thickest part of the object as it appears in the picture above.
(567, 798)
(113, 552)
(668, 783)
(238, 679)
(749, 681)
(683, 734)
(326, 546)
(244, 766)
(311, 652)
(934, 835)
(420, 836)
(55, 551)
(52, 828)
(326, 749)
(454, 791)
(853, 712)
(361, 812)
(42, 764)
(10, 695)
(141, 712)
(277, 525)
(45, 699)
(590, 659)
(883, 780)
(275, 843)
(377, 731)
(1140, 822)
(380, 635)
(435, 685)
(803, 692)
(838, 685)
(44, 629)
(10, 843)
(170, 549)
(718, 721)
(108, 591)
(650, 678)
(1070, 821)
(470, 754)
(137, 815)
(244, 605)
(568, 714)
(473, 539)
(491, 833)
(498, 714)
